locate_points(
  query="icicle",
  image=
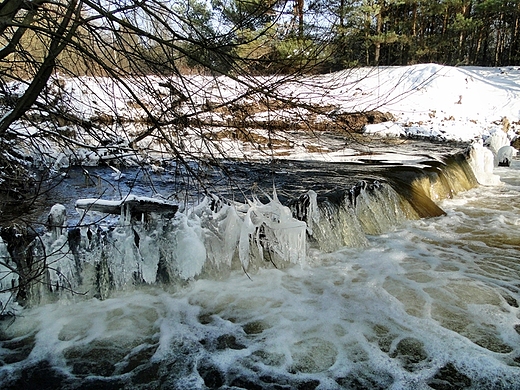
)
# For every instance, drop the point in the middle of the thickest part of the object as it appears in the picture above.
(190, 252)
(57, 220)
(221, 225)
(273, 232)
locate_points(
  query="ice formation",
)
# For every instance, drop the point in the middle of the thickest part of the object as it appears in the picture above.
(481, 160)
(505, 155)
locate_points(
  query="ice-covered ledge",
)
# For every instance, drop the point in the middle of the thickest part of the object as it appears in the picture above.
(131, 206)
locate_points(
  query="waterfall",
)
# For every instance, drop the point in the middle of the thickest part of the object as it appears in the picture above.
(217, 236)
(388, 283)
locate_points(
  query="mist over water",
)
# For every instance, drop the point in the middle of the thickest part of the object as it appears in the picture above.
(428, 303)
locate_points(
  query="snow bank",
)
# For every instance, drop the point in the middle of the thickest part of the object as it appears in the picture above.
(427, 100)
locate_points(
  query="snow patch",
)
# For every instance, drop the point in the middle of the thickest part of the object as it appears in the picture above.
(385, 129)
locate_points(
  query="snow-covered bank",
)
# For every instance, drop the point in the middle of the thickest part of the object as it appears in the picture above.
(453, 103)
(225, 118)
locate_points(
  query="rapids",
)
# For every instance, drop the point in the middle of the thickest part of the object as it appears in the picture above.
(358, 292)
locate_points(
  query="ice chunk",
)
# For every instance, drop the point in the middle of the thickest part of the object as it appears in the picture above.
(505, 155)
(481, 160)
(384, 129)
(57, 220)
(496, 141)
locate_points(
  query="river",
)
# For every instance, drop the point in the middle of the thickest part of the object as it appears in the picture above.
(428, 303)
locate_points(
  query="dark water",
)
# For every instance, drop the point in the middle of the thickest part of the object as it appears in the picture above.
(242, 180)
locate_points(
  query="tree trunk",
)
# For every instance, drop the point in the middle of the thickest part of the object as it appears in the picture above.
(298, 14)
(379, 28)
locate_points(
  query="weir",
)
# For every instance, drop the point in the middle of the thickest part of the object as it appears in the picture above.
(216, 236)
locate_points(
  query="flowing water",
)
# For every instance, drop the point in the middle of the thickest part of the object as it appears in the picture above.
(412, 304)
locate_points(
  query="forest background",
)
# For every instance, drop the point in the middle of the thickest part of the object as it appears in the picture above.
(273, 35)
